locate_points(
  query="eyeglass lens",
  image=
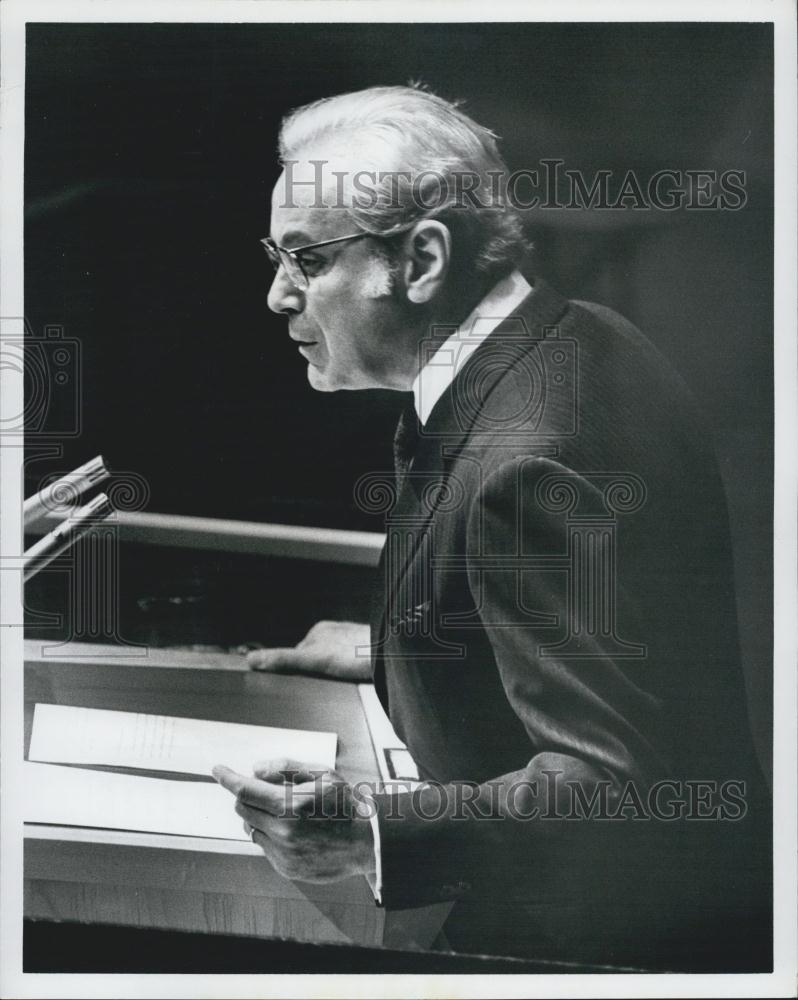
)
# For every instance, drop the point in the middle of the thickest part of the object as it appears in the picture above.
(290, 265)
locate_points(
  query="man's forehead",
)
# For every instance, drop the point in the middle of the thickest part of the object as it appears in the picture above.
(310, 200)
(296, 226)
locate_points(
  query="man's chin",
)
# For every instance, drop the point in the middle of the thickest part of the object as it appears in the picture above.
(319, 379)
(326, 380)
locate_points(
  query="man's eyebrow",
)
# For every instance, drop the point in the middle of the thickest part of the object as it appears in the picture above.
(294, 238)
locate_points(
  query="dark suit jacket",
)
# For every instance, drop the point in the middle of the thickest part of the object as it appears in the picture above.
(559, 619)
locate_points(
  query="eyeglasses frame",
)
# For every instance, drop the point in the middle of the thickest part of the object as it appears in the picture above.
(275, 252)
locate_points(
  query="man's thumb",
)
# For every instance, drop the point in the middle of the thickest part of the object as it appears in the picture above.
(284, 661)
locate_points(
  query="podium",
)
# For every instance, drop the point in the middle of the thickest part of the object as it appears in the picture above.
(165, 882)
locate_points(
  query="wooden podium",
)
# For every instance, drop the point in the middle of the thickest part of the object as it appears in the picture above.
(169, 882)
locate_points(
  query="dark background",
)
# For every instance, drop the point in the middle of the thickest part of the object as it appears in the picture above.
(149, 159)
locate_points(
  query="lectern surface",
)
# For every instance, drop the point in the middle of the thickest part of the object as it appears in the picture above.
(186, 883)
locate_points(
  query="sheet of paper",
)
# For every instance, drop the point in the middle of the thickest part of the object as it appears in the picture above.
(66, 735)
(74, 796)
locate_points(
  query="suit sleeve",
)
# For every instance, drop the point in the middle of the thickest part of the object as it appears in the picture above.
(587, 717)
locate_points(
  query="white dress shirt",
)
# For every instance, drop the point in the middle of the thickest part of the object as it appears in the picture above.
(441, 368)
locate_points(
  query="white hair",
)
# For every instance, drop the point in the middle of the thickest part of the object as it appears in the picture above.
(432, 140)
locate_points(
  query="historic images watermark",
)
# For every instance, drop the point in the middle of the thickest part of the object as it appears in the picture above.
(549, 185)
(549, 797)
(50, 364)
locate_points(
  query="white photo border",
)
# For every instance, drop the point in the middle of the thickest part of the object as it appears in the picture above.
(14, 14)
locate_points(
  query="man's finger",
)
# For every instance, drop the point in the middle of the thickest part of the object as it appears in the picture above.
(281, 660)
(286, 770)
(286, 661)
(263, 842)
(228, 778)
(272, 826)
(261, 794)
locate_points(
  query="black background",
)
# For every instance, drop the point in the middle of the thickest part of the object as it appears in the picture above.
(149, 159)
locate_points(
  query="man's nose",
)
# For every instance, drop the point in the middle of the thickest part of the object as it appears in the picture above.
(284, 296)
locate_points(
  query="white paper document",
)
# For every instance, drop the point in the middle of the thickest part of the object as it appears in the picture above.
(74, 796)
(66, 735)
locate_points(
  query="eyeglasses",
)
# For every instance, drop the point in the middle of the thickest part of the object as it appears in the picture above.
(291, 262)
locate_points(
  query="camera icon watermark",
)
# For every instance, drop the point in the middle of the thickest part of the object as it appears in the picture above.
(50, 366)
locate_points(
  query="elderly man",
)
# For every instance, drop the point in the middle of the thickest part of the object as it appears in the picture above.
(556, 640)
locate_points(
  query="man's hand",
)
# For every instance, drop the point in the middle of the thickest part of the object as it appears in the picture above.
(328, 650)
(307, 822)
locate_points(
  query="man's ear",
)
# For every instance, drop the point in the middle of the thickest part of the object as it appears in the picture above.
(428, 250)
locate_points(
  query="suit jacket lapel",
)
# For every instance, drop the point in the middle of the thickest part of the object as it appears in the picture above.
(450, 425)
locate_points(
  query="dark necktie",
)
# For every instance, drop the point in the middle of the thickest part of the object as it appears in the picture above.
(405, 442)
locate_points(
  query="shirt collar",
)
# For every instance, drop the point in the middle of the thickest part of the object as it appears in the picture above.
(440, 369)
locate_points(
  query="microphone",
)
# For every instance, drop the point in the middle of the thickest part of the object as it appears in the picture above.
(67, 533)
(68, 487)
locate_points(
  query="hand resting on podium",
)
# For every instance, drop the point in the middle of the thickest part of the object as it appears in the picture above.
(330, 649)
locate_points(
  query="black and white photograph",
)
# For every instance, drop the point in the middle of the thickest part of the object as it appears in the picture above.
(398, 460)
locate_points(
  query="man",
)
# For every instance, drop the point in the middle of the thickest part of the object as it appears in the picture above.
(556, 642)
